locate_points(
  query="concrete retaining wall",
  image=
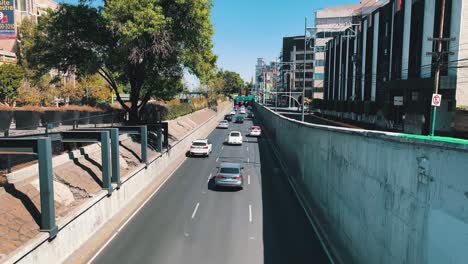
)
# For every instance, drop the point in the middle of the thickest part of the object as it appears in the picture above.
(78, 227)
(384, 198)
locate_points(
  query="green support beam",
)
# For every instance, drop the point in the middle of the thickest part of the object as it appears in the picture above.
(138, 130)
(46, 186)
(115, 150)
(42, 146)
(91, 136)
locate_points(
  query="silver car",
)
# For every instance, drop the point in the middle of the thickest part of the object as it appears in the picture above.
(229, 175)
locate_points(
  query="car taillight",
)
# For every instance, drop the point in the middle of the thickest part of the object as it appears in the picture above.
(220, 177)
(238, 177)
(205, 147)
(192, 147)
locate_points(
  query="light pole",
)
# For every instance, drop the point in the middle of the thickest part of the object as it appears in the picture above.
(304, 69)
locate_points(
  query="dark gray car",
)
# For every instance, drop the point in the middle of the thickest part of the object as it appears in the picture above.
(229, 175)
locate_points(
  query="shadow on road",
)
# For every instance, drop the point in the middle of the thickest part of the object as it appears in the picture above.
(288, 236)
(213, 187)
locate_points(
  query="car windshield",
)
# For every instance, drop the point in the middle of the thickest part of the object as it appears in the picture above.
(235, 134)
(199, 144)
(229, 170)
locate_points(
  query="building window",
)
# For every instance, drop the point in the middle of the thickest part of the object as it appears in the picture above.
(23, 5)
(319, 76)
(319, 63)
(319, 48)
(299, 56)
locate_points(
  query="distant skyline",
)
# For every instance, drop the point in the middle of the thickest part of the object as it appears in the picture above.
(249, 29)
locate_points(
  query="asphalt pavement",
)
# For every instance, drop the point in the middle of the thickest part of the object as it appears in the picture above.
(189, 221)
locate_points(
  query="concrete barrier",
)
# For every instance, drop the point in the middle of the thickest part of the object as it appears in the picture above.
(78, 227)
(381, 197)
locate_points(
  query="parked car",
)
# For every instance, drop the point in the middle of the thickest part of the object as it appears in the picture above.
(250, 115)
(239, 119)
(233, 112)
(223, 124)
(255, 131)
(235, 138)
(242, 111)
(201, 147)
(229, 175)
(228, 118)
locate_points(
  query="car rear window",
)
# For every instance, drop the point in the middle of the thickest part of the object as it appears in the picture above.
(235, 134)
(229, 170)
(199, 144)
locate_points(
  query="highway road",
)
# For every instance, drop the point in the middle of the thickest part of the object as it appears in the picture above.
(188, 221)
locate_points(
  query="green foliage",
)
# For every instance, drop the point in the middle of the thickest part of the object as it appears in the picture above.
(141, 44)
(11, 76)
(233, 82)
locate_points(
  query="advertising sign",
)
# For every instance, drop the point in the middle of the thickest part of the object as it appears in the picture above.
(7, 20)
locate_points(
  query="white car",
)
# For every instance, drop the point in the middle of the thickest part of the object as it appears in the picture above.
(233, 112)
(255, 131)
(235, 138)
(201, 147)
(242, 111)
(223, 124)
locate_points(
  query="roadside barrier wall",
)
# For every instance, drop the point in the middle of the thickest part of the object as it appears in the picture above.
(378, 197)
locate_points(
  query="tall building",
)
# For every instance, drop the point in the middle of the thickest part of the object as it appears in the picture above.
(384, 62)
(291, 74)
(330, 22)
(12, 12)
(265, 77)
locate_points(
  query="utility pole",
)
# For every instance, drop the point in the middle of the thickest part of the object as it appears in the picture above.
(439, 55)
(276, 86)
(264, 86)
(304, 69)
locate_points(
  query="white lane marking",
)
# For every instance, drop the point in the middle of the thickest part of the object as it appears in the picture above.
(133, 215)
(248, 179)
(209, 177)
(217, 159)
(222, 147)
(248, 160)
(251, 238)
(247, 148)
(250, 213)
(195, 210)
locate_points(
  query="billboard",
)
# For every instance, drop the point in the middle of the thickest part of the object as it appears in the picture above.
(7, 19)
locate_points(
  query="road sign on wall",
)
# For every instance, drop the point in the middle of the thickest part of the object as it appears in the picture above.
(436, 100)
(398, 100)
(7, 20)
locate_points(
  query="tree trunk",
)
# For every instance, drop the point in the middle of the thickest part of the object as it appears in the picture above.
(134, 115)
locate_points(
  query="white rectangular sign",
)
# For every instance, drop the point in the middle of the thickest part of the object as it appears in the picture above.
(398, 100)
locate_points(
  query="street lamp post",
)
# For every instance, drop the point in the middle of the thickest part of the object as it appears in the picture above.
(304, 69)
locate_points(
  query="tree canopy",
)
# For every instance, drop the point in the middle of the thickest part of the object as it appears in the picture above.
(233, 82)
(143, 44)
(10, 79)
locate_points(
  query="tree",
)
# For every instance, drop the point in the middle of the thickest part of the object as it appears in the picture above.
(11, 76)
(143, 44)
(233, 82)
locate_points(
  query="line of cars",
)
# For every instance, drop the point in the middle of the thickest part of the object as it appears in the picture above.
(229, 174)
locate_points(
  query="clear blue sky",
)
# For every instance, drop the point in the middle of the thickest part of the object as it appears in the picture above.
(249, 29)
